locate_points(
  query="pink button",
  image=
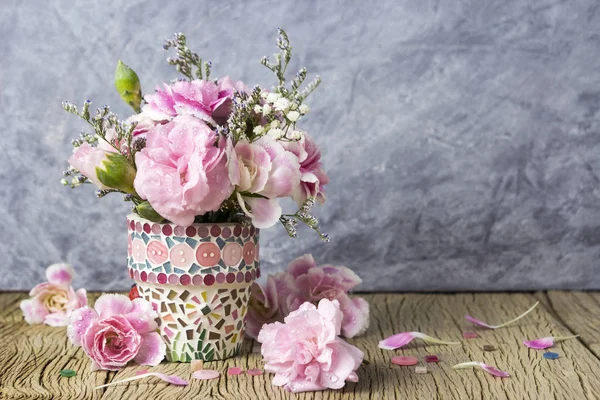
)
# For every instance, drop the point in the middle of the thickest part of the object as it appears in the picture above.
(249, 253)
(208, 254)
(232, 254)
(157, 252)
(182, 256)
(404, 360)
(138, 249)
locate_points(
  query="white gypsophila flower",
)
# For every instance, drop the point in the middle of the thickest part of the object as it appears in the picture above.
(258, 130)
(75, 182)
(296, 135)
(281, 104)
(276, 133)
(264, 94)
(266, 110)
(273, 97)
(64, 182)
(304, 109)
(275, 123)
(293, 106)
(293, 116)
(257, 109)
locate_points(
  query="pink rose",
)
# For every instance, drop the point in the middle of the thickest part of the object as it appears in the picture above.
(87, 158)
(266, 168)
(203, 99)
(182, 171)
(117, 331)
(52, 302)
(313, 179)
(305, 352)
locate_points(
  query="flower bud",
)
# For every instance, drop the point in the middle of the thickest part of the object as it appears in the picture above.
(116, 172)
(146, 211)
(128, 86)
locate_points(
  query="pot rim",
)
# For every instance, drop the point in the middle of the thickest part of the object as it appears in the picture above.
(135, 217)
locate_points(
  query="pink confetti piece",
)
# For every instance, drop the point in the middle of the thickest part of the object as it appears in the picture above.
(486, 325)
(172, 379)
(234, 371)
(544, 343)
(469, 335)
(487, 368)
(402, 339)
(255, 372)
(206, 374)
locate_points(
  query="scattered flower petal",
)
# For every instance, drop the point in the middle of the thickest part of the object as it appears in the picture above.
(545, 342)
(67, 373)
(172, 379)
(486, 325)
(402, 339)
(206, 374)
(487, 368)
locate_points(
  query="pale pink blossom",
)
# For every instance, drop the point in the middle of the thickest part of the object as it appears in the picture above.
(305, 352)
(142, 122)
(182, 170)
(314, 283)
(87, 158)
(264, 168)
(201, 98)
(116, 332)
(313, 178)
(52, 302)
(263, 306)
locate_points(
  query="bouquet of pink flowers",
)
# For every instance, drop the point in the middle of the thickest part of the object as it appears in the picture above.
(203, 150)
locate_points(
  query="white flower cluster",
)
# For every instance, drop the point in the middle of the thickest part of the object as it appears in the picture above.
(279, 108)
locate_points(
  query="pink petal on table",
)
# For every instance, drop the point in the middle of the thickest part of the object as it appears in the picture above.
(172, 379)
(487, 368)
(402, 339)
(486, 325)
(205, 374)
(544, 343)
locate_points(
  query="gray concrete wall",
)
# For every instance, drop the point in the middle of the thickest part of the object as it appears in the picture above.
(462, 137)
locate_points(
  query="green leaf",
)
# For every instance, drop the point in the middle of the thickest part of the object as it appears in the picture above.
(67, 373)
(118, 173)
(146, 211)
(128, 85)
(248, 194)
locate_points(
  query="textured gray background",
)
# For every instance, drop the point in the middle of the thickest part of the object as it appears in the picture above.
(462, 137)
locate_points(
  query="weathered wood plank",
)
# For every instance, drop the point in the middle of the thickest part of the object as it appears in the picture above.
(580, 311)
(32, 356)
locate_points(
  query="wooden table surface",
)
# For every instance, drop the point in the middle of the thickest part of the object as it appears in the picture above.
(32, 356)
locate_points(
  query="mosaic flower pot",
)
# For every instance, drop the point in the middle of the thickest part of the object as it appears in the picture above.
(198, 279)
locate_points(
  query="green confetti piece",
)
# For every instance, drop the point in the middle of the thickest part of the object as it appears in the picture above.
(68, 373)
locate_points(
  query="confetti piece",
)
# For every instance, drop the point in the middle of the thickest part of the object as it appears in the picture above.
(234, 371)
(421, 370)
(487, 368)
(67, 373)
(551, 356)
(432, 359)
(486, 325)
(469, 335)
(173, 379)
(206, 374)
(488, 347)
(401, 339)
(255, 372)
(196, 365)
(404, 360)
(544, 343)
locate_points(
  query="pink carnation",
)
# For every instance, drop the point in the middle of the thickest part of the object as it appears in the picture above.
(117, 331)
(203, 99)
(305, 352)
(313, 178)
(182, 171)
(52, 302)
(266, 168)
(87, 158)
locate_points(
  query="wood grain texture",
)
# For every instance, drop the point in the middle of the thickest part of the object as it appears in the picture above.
(32, 356)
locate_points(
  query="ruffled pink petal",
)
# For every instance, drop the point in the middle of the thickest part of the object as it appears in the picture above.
(356, 317)
(113, 304)
(152, 349)
(81, 295)
(34, 311)
(79, 321)
(142, 316)
(301, 265)
(58, 318)
(265, 212)
(539, 344)
(396, 341)
(60, 274)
